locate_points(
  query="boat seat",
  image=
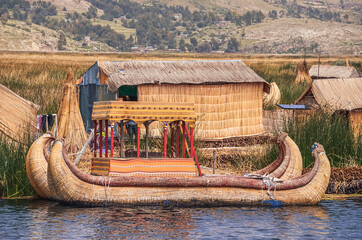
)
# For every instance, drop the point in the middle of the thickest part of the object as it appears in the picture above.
(139, 167)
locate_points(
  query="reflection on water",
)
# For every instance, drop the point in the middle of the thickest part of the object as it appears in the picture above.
(44, 220)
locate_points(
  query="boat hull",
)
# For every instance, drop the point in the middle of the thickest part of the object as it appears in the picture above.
(67, 186)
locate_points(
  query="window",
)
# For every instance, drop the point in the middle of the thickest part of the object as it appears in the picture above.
(128, 93)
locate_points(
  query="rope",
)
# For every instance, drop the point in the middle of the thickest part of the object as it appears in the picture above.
(270, 182)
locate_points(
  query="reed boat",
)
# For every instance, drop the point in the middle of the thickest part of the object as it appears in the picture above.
(56, 177)
(174, 179)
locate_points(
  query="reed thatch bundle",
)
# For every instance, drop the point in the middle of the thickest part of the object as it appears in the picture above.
(273, 97)
(223, 111)
(71, 126)
(331, 71)
(303, 75)
(17, 116)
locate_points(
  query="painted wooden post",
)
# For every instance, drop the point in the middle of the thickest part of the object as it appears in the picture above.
(183, 139)
(95, 139)
(138, 141)
(178, 140)
(121, 144)
(100, 138)
(112, 141)
(193, 154)
(147, 124)
(106, 138)
(165, 141)
(172, 141)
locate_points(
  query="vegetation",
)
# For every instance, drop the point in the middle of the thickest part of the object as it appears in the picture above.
(333, 131)
(38, 77)
(283, 75)
(159, 25)
(13, 179)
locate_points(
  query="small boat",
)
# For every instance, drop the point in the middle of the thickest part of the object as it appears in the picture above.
(56, 177)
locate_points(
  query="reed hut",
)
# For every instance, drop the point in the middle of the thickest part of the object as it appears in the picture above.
(329, 71)
(227, 94)
(336, 95)
(18, 120)
(71, 126)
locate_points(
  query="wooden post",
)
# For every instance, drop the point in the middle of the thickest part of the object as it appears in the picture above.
(147, 124)
(106, 138)
(183, 139)
(112, 143)
(193, 154)
(214, 165)
(165, 141)
(100, 138)
(172, 141)
(178, 140)
(95, 139)
(138, 141)
(121, 144)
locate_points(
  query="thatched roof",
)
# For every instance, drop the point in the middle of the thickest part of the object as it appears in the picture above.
(328, 71)
(17, 115)
(336, 94)
(178, 72)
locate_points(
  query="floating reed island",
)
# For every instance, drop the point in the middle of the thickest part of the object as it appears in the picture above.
(56, 177)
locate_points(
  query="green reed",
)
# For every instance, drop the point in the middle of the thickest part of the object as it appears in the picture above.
(13, 179)
(283, 74)
(332, 131)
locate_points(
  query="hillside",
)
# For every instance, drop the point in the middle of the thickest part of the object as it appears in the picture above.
(79, 6)
(246, 26)
(239, 6)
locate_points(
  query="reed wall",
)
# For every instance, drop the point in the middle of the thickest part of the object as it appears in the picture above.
(355, 118)
(223, 111)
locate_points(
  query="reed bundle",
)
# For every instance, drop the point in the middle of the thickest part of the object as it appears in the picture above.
(17, 116)
(71, 126)
(273, 97)
(303, 75)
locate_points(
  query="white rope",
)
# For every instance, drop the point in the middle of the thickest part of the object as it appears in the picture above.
(270, 182)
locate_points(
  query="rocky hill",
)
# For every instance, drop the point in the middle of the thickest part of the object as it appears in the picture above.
(248, 26)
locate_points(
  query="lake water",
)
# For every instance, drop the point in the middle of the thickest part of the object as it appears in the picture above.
(38, 219)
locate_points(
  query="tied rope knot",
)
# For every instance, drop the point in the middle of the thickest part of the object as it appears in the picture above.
(271, 182)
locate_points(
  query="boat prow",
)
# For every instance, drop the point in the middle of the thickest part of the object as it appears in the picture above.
(37, 165)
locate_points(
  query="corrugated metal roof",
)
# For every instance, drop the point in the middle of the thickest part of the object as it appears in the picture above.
(338, 94)
(329, 71)
(178, 72)
(91, 76)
